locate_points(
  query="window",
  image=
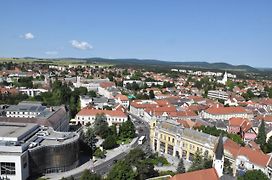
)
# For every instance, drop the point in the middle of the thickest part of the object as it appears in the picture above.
(7, 168)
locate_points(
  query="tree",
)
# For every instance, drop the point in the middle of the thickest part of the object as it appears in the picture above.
(261, 137)
(236, 138)
(101, 126)
(92, 93)
(110, 142)
(253, 175)
(151, 94)
(227, 167)
(198, 161)
(145, 170)
(180, 168)
(99, 154)
(121, 171)
(113, 130)
(89, 139)
(207, 163)
(127, 130)
(87, 175)
(135, 155)
(269, 145)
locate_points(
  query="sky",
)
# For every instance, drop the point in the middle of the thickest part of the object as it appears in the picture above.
(231, 31)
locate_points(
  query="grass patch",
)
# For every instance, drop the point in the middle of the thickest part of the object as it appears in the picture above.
(126, 141)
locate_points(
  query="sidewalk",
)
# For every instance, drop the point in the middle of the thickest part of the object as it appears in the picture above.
(89, 164)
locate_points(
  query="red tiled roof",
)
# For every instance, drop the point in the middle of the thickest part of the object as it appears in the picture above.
(205, 174)
(267, 118)
(232, 147)
(107, 84)
(255, 156)
(122, 97)
(226, 110)
(93, 112)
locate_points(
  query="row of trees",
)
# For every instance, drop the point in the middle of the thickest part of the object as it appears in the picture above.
(216, 132)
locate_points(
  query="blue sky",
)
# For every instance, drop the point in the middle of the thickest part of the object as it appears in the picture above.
(237, 32)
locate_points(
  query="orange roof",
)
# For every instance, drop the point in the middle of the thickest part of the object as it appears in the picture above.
(254, 155)
(267, 118)
(204, 174)
(267, 101)
(226, 110)
(122, 97)
(151, 104)
(94, 112)
(196, 98)
(107, 84)
(236, 121)
(232, 147)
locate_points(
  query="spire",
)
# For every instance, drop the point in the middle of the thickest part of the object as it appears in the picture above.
(219, 152)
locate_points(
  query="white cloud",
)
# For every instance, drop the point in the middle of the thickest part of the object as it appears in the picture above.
(50, 53)
(83, 45)
(28, 36)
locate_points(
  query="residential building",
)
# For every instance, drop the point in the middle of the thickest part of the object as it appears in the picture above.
(246, 158)
(242, 127)
(56, 117)
(85, 101)
(225, 113)
(87, 115)
(123, 100)
(33, 92)
(214, 94)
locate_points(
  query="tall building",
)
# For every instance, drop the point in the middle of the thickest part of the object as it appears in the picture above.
(27, 150)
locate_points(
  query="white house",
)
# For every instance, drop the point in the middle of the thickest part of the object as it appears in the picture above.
(88, 115)
(122, 99)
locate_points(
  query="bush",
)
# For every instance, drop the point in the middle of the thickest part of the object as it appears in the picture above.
(99, 154)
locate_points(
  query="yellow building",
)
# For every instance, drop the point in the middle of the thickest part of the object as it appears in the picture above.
(168, 137)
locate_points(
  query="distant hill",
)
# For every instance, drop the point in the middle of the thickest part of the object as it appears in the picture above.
(155, 63)
(201, 65)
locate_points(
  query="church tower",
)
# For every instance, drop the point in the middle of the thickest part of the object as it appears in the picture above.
(218, 159)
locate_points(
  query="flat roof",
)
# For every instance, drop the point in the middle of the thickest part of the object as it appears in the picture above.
(15, 131)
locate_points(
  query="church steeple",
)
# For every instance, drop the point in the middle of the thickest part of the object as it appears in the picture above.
(218, 160)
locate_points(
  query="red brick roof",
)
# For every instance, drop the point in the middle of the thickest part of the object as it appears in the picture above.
(94, 112)
(205, 174)
(244, 123)
(255, 156)
(226, 110)
(107, 84)
(122, 97)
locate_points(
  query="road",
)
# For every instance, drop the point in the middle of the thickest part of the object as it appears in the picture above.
(143, 130)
